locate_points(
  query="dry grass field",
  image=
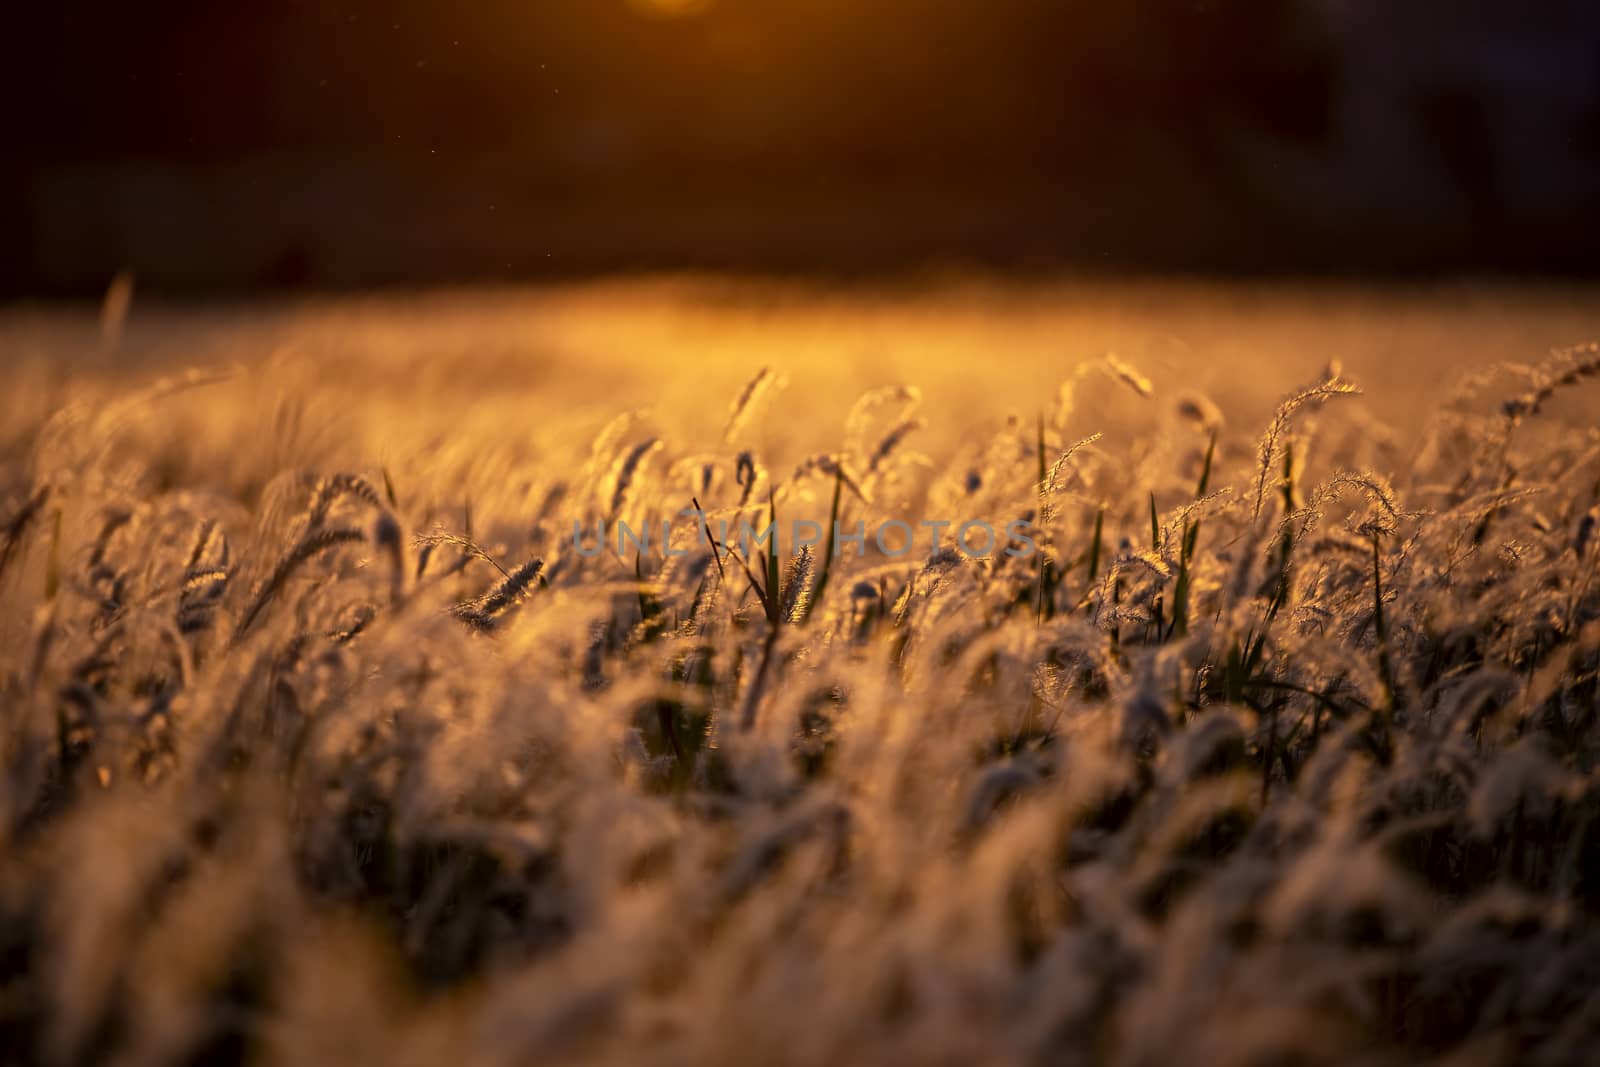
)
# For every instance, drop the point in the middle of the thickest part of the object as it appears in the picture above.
(323, 744)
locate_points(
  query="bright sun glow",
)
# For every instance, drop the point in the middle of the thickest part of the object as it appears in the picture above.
(671, 8)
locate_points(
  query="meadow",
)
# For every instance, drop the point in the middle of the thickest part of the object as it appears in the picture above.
(322, 744)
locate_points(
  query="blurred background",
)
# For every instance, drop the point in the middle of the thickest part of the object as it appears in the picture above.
(218, 148)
